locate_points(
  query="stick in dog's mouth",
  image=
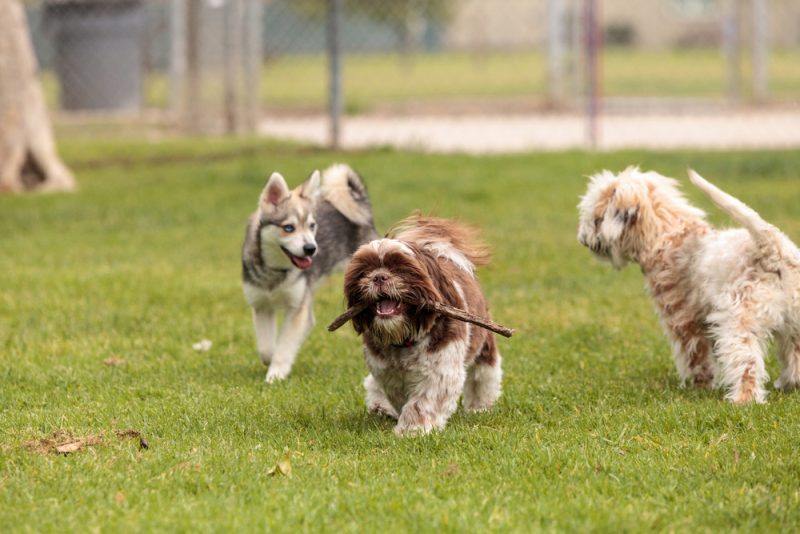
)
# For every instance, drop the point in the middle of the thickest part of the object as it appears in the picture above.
(438, 307)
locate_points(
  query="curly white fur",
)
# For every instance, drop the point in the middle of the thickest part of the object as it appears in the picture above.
(722, 294)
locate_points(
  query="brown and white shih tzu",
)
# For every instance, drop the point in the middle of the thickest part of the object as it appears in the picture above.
(420, 360)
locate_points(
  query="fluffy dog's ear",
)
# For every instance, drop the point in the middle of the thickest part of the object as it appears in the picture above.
(310, 188)
(274, 192)
(627, 216)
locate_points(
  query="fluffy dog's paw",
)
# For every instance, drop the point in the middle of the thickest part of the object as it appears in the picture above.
(477, 407)
(266, 358)
(276, 374)
(787, 383)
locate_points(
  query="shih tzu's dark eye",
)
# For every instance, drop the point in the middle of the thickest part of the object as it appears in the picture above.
(288, 228)
(312, 226)
(597, 222)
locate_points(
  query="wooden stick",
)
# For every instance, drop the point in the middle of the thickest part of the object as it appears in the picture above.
(346, 316)
(438, 307)
(461, 315)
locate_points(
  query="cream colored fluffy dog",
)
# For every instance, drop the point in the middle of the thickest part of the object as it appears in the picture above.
(721, 294)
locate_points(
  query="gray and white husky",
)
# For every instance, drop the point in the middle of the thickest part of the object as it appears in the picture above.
(293, 240)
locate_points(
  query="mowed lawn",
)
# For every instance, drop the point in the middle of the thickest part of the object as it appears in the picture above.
(375, 80)
(103, 293)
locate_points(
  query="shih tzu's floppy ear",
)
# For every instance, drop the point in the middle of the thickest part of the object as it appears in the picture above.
(310, 188)
(274, 192)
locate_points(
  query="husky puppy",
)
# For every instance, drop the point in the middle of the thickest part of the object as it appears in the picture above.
(293, 240)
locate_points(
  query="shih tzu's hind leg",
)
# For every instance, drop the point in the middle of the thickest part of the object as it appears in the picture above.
(484, 379)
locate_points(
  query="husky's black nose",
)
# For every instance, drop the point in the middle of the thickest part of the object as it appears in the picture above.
(309, 249)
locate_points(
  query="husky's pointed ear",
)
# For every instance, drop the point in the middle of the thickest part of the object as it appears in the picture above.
(274, 192)
(310, 189)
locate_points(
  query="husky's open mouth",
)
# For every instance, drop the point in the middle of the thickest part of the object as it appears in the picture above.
(389, 308)
(303, 262)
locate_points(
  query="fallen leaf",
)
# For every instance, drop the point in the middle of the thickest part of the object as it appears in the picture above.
(119, 497)
(114, 361)
(72, 446)
(283, 467)
(202, 345)
(62, 442)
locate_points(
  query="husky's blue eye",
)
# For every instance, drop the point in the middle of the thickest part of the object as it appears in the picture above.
(289, 228)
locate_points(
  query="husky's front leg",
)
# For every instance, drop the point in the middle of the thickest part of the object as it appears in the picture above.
(266, 327)
(296, 325)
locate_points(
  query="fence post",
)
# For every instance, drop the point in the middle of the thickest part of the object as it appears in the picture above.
(252, 78)
(593, 43)
(177, 63)
(760, 50)
(191, 119)
(555, 50)
(731, 45)
(334, 70)
(232, 62)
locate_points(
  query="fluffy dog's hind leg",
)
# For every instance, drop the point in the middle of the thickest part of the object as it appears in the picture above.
(376, 398)
(740, 354)
(789, 356)
(483, 385)
(296, 326)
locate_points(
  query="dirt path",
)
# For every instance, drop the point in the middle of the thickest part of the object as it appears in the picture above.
(482, 134)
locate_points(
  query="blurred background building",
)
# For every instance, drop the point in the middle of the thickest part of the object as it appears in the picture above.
(278, 66)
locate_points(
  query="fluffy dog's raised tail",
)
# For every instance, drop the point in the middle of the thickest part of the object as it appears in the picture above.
(764, 234)
(342, 187)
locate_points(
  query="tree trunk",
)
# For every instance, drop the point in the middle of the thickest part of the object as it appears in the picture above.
(28, 157)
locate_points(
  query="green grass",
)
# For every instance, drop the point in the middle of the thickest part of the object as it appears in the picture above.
(490, 78)
(592, 430)
(371, 81)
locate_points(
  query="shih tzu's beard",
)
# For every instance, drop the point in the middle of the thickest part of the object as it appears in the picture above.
(395, 330)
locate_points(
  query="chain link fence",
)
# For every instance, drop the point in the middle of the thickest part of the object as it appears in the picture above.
(233, 65)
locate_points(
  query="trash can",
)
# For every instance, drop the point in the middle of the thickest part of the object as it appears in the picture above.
(98, 52)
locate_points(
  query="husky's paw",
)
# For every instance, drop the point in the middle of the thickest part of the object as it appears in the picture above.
(276, 374)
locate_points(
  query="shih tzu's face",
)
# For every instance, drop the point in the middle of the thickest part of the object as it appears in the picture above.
(392, 280)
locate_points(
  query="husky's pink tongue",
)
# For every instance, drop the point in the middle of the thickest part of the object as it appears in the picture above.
(301, 263)
(388, 307)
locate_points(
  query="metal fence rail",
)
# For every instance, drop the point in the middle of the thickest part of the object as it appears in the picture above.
(226, 65)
